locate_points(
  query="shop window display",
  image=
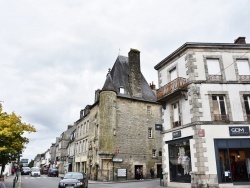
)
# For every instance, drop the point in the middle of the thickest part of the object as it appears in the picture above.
(234, 164)
(180, 162)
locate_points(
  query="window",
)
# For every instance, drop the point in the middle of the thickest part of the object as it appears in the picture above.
(213, 69)
(160, 153)
(121, 90)
(150, 133)
(179, 161)
(173, 74)
(176, 115)
(213, 66)
(87, 126)
(148, 109)
(243, 67)
(247, 105)
(153, 153)
(219, 108)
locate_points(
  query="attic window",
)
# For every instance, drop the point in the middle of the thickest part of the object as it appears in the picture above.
(121, 90)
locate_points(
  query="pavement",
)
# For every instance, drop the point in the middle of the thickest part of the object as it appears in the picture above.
(9, 180)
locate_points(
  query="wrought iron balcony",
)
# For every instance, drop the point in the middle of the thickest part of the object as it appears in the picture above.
(171, 89)
(219, 117)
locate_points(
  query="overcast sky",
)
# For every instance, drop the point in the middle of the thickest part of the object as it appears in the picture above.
(54, 54)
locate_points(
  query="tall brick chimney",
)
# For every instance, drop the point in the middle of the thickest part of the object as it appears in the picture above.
(240, 40)
(135, 72)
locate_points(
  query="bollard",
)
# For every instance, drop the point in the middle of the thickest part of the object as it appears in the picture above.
(14, 182)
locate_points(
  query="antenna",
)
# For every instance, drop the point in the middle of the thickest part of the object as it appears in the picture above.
(119, 51)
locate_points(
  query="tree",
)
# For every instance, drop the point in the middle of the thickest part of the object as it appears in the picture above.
(12, 141)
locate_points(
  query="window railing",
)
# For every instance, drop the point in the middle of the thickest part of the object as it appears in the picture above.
(176, 124)
(244, 78)
(219, 117)
(215, 78)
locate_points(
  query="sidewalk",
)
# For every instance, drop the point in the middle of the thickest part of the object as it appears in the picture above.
(8, 182)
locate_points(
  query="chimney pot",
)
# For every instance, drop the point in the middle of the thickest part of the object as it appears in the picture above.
(240, 40)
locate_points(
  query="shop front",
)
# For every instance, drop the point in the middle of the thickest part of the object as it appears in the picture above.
(179, 160)
(233, 160)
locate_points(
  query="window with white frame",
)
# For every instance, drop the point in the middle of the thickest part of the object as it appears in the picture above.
(247, 105)
(176, 119)
(150, 133)
(213, 69)
(213, 66)
(148, 109)
(219, 108)
(153, 153)
(121, 90)
(243, 66)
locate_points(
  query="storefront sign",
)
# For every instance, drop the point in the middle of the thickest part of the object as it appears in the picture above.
(121, 172)
(158, 127)
(117, 160)
(176, 134)
(239, 131)
(201, 133)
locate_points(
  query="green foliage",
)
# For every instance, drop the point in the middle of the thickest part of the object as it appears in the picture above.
(12, 141)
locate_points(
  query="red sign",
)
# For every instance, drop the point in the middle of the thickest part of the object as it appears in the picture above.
(201, 133)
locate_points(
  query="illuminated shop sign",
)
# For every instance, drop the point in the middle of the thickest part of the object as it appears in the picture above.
(239, 131)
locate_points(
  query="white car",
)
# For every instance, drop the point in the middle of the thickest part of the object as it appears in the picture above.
(35, 171)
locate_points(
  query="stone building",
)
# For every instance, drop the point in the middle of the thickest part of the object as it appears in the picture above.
(204, 89)
(61, 149)
(116, 134)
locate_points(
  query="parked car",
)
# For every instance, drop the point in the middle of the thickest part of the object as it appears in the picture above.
(53, 172)
(35, 171)
(44, 170)
(74, 180)
(25, 170)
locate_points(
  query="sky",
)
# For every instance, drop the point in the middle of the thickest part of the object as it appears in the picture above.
(54, 54)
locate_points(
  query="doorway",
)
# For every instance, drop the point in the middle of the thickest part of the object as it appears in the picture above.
(138, 169)
(159, 170)
(234, 164)
(233, 160)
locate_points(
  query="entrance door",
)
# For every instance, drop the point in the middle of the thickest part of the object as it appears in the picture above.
(138, 169)
(159, 170)
(234, 164)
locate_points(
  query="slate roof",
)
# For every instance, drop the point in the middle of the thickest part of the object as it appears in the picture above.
(119, 77)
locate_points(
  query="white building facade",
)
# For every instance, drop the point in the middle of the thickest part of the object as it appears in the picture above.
(204, 89)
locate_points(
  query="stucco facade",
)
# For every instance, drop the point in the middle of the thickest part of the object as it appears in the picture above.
(205, 114)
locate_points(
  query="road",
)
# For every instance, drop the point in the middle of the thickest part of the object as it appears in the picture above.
(52, 182)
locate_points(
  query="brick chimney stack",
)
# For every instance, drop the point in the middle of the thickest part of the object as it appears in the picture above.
(135, 73)
(240, 40)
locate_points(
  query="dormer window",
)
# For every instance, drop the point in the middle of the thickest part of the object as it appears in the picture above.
(121, 90)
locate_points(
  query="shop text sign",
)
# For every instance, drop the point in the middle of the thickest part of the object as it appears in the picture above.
(239, 131)
(176, 134)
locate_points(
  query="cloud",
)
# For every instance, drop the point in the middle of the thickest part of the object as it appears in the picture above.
(55, 54)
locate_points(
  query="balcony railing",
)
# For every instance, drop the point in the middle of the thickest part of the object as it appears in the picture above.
(219, 117)
(215, 78)
(244, 78)
(179, 84)
(176, 124)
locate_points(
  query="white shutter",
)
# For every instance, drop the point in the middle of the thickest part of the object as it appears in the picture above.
(173, 74)
(243, 67)
(213, 66)
(176, 112)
